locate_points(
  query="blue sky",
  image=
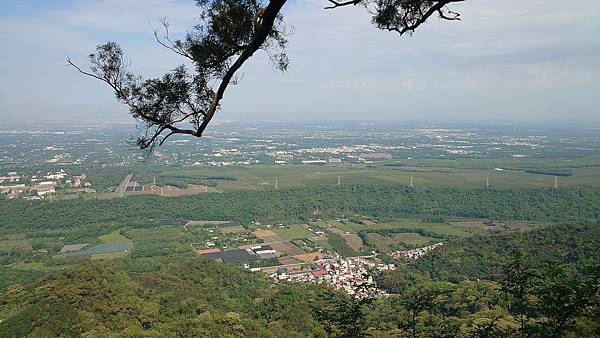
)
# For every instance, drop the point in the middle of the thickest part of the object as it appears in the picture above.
(509, 60)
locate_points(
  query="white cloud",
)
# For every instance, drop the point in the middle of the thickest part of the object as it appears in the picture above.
(341, 65)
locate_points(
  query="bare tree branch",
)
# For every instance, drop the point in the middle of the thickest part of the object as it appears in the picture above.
(336, 4)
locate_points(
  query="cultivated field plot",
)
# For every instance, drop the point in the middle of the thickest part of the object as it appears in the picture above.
(383, 243)
(236, 229)
(100, 249)
(411, 223)
(159, 241)
(354, 241)
(464, 173)
(337, 231)
(286, 247)
(206, 251)
(14, 241)
(73, 247)
(322, 242)
(293, 232)
(346, 226)
(309, 257)
(425, 173)
(207, 223)
(477, 227)
(268, 236)
(114, 237)
(264, 233)
(289, 260)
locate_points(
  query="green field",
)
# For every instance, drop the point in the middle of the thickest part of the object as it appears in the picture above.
(293, 232)
(114, 237)
(426, 173)
(14, 241)
(159, 241)
(383, 243)
(261, 177)
(404, 223)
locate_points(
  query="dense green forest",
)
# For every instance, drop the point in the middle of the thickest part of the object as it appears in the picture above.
(540, 281)
(520, 288)
(529, 204)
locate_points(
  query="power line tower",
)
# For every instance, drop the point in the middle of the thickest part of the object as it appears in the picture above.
(411, 181)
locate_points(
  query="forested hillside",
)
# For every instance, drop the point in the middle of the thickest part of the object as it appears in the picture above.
(545, 284)
(484, 256)
(375, 201)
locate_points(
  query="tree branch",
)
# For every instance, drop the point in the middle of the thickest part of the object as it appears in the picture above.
(336, 4)
(268, 20)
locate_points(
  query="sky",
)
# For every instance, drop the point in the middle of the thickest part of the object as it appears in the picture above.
(509, 60)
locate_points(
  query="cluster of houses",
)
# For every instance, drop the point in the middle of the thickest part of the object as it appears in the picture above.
(413, 253)
(10, 186)
(14, 184)
(354, 275)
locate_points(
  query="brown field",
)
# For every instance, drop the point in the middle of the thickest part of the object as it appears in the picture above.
(170, 190)
(191, 189)
(309, 257)
(354, 241)
(207, 222)
(368, 222)
(205, 251)
(264, 233)
(232, 229)
(268, 236)
(272, 239)
(286, 247)
(318, 238)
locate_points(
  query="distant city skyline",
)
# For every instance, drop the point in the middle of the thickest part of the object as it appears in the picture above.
(505, 61)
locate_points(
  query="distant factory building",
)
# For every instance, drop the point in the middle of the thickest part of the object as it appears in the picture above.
(314, 162)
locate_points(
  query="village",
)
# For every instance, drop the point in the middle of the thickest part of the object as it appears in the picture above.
(40, 185)
(293, 253)
(354, 275)
(414, 253)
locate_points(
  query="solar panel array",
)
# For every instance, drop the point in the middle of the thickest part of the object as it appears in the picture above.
(103, 248)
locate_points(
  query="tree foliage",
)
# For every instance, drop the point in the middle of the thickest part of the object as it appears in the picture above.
(525, 204)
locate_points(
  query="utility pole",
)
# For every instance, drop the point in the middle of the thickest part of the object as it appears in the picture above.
(276, 185)
(487, 182)
(555, 182)
(411, 181)
(339, 179)
(206, 185)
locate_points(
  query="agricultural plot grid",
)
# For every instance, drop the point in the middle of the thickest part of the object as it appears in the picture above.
(103, 248)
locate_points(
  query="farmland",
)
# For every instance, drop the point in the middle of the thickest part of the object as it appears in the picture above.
(438, 173)
(293, 232)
